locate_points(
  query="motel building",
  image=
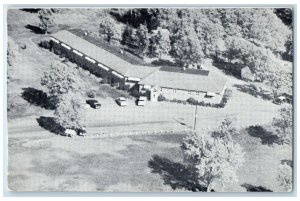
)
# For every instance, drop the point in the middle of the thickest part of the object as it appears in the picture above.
(172, 84)
(197, 84)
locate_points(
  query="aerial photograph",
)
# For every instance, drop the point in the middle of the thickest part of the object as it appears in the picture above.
(154, 99)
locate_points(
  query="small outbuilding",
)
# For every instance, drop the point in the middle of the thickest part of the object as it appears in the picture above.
(246, 74)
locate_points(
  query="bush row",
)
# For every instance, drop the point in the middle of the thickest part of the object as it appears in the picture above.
(192, 101)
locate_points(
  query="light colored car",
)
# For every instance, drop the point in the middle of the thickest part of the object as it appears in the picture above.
(70, 132)
(141, 101)
(121, 101)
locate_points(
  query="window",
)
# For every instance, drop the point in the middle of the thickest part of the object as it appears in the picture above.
(189, 92)
(174, 90)
(160, 89)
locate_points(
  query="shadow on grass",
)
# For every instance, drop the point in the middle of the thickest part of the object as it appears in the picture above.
(265, 136)
(176, 175)
(228, 68)
(252, 90)
(31, 10)
(288, 162)
(38, 98)
(35, 29)
(251, 188)
(50, 124)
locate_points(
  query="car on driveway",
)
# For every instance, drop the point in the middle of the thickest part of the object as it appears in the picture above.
(71, 132)
(280, 100)
(283, 98)
(121, 101)
(93, 103)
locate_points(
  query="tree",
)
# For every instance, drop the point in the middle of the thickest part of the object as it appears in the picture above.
(284, 124)
(215, 156)
(289, 49)
(259, 25)
(160, 43)
(127, 36)
(276, 80)
(258, 59)
(108, 28)
(60, 79)
(285, 177)
(69, 111)
(142, 39)
(46, 19)
(185, 46)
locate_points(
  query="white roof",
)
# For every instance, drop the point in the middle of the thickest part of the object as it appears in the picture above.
(143, 98)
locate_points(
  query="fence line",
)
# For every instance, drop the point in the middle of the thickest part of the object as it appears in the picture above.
(134, 133)
(146, 132)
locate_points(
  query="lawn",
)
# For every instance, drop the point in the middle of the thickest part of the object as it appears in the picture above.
(37, 157)
(110, 164)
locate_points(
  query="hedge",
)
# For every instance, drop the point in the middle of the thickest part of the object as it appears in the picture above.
(192, 101)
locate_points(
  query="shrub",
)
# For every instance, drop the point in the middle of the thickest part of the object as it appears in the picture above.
(91, 94)
(46, 44)
(162, 62)
(104, 81)
(115, 84)
(192, 101)
(161, 98)
(135, 93)
(126, 87)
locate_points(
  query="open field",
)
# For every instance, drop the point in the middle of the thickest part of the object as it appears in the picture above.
(42, 161)
(37, 157)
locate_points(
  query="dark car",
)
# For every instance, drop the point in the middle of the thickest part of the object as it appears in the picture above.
(93, 103)
(81, 131)
(289, 98)
(280, 100)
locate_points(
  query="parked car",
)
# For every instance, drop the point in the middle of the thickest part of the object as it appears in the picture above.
(81, 131)
(71, 132)
(280, 100)
(142, 101)
(283, 98)
(93, 103)
(289, 98)
(121, 101)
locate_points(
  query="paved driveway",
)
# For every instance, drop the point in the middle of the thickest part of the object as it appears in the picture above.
(246, 109)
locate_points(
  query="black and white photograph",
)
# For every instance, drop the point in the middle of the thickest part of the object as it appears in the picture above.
(150, 99)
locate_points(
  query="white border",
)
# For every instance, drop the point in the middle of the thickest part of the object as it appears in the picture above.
(149, 2)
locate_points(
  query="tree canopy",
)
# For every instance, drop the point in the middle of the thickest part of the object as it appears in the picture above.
(59, 80)
(284, 124)
(215, 155)
(46, 19)
(69, 111)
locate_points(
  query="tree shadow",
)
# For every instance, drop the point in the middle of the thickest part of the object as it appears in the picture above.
(34, 29)
(38, 98)
(251, 188)
(176, 175)
(265, 136)
(288, 162)
(228, 68)
(31, 10)
(253, 91)
(51, 125)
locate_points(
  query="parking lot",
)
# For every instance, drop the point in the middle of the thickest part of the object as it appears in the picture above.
(165, 116)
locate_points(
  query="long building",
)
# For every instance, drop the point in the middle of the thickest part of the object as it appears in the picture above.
(201, 85)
